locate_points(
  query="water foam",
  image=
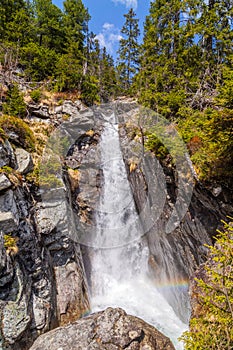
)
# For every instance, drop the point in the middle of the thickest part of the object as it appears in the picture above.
(119, 270)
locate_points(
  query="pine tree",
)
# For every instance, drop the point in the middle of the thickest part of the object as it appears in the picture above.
(48, 24)
(129, 50)
(14, 105)
(10, 11)
(166, 55)
(108, 79)
(76, 19)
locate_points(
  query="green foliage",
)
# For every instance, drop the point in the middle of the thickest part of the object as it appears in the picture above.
(10, 243)
(49, 172)
(76, 19)
(36, 95)
(225, 89)
(211, 130)
(50, 181)
(211, 327)
(90, 90)
(49, 25)
(128, 51)
(68, 73)
(51, 44)
(17, 126)
(186, 76)
(15, 21)
(3, 135)
(6, 170)
(14, 104)
(39, 62)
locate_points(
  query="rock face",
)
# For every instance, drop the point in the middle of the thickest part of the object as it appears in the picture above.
(110, 329)
(174, 256)
(42, 280)
(4, 182)
(24, 161)
(7, 156)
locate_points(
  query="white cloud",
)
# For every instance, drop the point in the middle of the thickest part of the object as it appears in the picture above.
(108, 26)
(109, 37)
(127, 3)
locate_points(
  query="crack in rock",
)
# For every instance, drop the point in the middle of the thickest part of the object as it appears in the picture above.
(138, 339)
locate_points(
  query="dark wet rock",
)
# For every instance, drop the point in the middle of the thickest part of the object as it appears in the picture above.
(16, 316)
(8, 222)
(110, 329)
(39, 111)
(9, 218)
(42, 281)
(72, 300)
(4, 156)
(7, 157)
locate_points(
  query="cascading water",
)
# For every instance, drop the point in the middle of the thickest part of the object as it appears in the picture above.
(119, 267)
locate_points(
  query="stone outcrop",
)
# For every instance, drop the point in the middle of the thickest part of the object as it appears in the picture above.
(111, 329)
(7, 156)
(9, 218)
(24, 161)
(55, 112)
(4, 182)
(43, 283)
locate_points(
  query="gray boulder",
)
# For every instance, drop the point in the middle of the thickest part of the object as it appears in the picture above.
(8, 223)
(111, 329)
(69, 108)
(24, 161)
(39, 111)
(7, 156)
(9, 219)
(4, 182)
(4, 157)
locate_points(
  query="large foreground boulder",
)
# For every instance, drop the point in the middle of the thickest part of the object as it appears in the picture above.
(111, 329)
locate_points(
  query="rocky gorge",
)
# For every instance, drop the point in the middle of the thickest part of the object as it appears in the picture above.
(45, 271)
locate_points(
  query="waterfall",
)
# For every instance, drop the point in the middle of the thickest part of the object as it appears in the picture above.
(119, 266)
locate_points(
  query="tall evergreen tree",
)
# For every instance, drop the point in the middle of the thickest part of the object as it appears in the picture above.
(48, 24)
(15, 21)
(128, 52)
(168, 36)
(76, 19)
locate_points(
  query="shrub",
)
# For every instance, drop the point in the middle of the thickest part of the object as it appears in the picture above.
(24, 135)
(208, 135)
(90, 91)
(36, 95)
(39, 62)
(211, 327)
(50, 181)
(14, 104)
(10, 244)
(3, 136)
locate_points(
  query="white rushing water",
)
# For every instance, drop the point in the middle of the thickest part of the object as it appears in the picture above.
(119, 273)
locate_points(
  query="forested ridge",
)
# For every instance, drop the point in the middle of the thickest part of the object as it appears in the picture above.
(183, 69)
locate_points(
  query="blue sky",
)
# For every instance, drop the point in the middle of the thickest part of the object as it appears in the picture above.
(107, 18)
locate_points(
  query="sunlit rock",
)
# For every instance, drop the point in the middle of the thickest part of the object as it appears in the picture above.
(111, 329)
